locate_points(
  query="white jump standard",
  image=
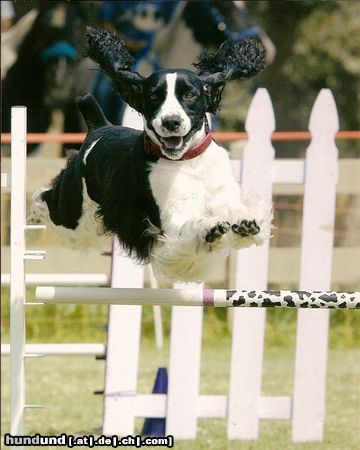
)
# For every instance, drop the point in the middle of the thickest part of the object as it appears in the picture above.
(199, 297)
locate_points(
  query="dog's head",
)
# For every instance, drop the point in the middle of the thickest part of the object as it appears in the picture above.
(174, 102)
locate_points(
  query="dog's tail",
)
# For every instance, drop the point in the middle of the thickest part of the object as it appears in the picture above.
(91, 111)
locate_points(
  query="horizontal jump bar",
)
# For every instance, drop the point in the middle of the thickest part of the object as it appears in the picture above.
(198, 297)
(223, 136)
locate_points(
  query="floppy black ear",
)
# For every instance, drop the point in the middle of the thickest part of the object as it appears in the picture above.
(244, 59)
(114, 58)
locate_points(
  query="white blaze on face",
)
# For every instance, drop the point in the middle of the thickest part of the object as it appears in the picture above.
(171, 107)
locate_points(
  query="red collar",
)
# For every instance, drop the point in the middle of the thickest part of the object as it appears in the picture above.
(193, 152)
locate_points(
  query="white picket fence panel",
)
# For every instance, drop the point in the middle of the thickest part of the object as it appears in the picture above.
(251, 273)
(184, 370)
(244, 405)
(123, 346)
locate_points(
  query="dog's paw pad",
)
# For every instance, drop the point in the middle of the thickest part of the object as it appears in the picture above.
(246, 228)
(217, 232)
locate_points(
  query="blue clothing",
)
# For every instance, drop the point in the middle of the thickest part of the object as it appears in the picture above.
(211, 21)
(138, 21)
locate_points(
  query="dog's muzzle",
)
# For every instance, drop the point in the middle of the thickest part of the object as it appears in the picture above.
(172, 139)
(172, 132)
(171, 123)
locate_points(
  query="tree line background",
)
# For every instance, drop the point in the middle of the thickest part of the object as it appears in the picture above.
(317, 46)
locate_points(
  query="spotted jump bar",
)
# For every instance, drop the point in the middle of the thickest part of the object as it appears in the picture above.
(198, 297)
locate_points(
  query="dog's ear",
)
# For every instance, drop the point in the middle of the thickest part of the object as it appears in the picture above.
(114, 58)
(244, 59)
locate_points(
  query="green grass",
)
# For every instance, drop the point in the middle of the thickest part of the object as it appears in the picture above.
(66, 384)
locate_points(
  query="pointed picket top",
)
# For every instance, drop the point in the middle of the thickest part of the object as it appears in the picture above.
(324, 119)
(319, 209)
(259, 152)
(260, 119)
(323, 125)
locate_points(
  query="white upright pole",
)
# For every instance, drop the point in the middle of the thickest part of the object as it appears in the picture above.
(17, 273)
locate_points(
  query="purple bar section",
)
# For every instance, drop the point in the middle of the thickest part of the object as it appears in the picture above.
(208, 297)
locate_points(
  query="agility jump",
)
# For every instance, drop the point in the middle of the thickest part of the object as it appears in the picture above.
(199, 297)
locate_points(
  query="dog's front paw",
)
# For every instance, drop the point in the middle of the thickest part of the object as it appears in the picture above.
(33, 235)
(217, 232)
(246, 228)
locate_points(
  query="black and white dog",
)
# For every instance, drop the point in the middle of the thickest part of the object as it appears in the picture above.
(167, 193)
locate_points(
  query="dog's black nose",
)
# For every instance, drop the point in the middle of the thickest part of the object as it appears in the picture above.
(171, 123)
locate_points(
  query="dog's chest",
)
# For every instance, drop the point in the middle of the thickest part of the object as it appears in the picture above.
(199, 179)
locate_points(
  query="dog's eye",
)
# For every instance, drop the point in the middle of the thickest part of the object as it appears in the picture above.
(153, 96)
(189, 95)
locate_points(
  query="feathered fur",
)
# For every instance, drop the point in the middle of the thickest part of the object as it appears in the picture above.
(108, 50)
(232, 61)
(114, 58)
(241, 60)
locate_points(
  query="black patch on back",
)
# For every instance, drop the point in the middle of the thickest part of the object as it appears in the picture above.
(116, 174)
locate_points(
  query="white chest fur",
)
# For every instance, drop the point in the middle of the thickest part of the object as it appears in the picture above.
(179, 186)
(192, 196)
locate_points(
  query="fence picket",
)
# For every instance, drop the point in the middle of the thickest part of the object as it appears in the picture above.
(251, 272)
(184, 370)
(123, 345)
(315, 273)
